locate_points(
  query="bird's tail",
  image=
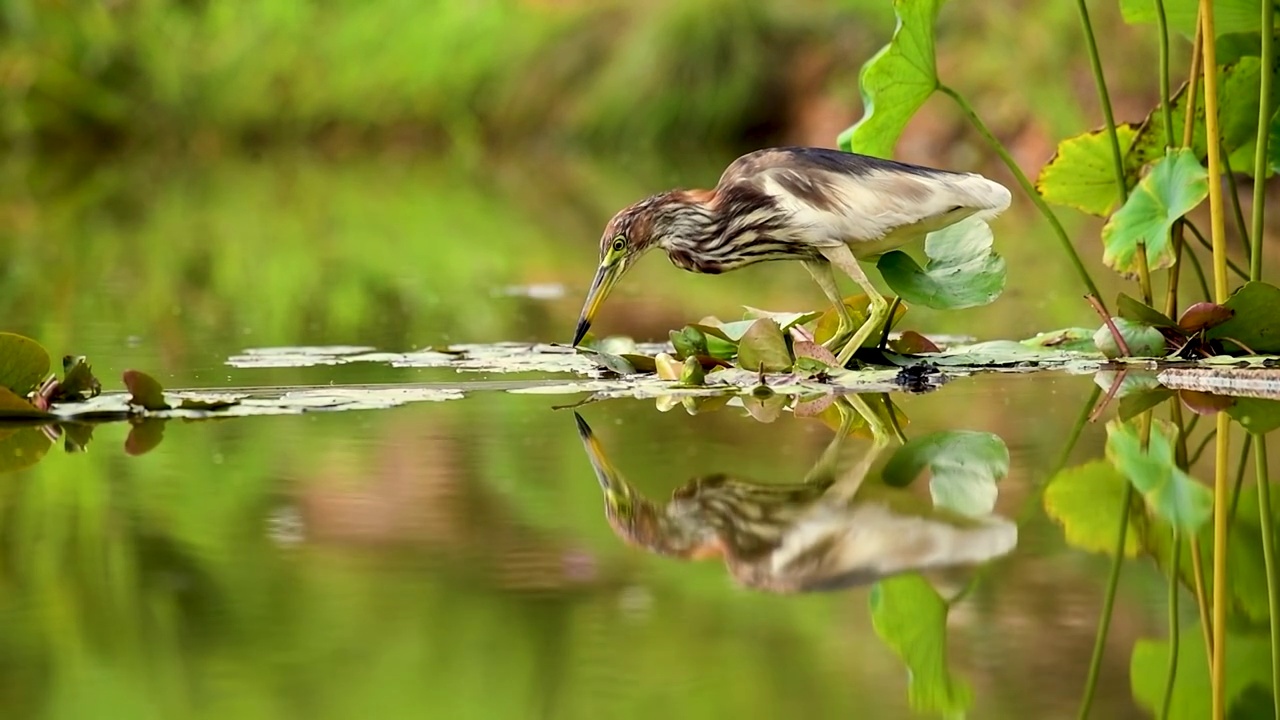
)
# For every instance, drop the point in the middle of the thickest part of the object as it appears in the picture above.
(987, 197)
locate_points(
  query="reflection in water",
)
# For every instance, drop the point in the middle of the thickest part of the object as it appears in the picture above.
(827, 532)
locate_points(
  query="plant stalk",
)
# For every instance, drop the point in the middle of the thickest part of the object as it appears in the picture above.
(1221, 595)
(1188, 135)
(1213, 140)
(1108, 604)
(1026, 185)
(1172, 676)
(1260, 153)
(1268, 553)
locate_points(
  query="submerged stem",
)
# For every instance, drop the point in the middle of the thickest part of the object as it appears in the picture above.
(1108, 604)
(1026, 185)
(1268, 554)
(1172, 674)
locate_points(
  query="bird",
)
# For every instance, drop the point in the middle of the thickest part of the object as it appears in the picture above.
(827, 532)
(826, 208)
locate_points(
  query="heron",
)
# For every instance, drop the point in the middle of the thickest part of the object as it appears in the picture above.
(826, 208)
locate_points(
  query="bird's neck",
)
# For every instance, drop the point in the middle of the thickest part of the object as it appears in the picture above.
(689, 219)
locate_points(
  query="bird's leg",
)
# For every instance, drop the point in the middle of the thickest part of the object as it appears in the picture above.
(826, 279)
(848, 484)
(841, 257)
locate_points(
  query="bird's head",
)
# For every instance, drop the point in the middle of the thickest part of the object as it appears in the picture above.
(655, 221)
(634, 518)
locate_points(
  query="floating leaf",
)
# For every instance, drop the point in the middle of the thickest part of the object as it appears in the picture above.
(1142, 340)
(785, 320)
(963, 271)
(964, 464)
(641, 363)
(1256, 322)
(692, 374)
(13, 407)
(813, 358)
(23, 363)
(689, 341)
(144, 436)
(1203, 315)
(1170, 492)
(859, 310)
(144, 390)
(913, 343)
(763, 348)
(609, 361)
(1085, 500)
(911, 618)
(1173, 188)
(896, 81)
(1081, 174)
(668, 368)
(78, 382)
(1073, 339)
(1131, 308)
(212, 402)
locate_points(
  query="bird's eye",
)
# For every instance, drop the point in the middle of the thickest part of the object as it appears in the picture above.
(619, 243)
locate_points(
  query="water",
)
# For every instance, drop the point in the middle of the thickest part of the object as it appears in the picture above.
(453, 558)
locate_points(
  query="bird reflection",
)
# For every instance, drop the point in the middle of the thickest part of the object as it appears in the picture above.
(832, 530)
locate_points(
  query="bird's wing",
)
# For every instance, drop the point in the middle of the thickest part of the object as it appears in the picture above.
(871, 204)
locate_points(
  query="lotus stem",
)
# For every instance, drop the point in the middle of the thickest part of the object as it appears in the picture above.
(1268, 554)
(1172, 676)
(1063, 239)
(1108, 604)
(1260, 152)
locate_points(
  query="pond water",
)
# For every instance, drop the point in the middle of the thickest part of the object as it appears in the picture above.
(454, 558)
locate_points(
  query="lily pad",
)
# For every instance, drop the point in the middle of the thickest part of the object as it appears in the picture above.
(763, 348)
(78, 382)
(1082, 175)
(145, 391)
(858, 307)
(13, 407)
(1256, 320)
(23, 363)
(1169, 491)
(1141, 340)
(1173, 188)
(963, 271)
(913, 343)
(1202, 316)
(1133, 309)
(965, 466)
(1074, 339)
(785, 320)
(911, 618)
(691, 373)
(896, 81)
(668, 368)
(1085, 500)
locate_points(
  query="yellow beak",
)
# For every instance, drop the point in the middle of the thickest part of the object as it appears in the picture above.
(605, 473)
(606, 277)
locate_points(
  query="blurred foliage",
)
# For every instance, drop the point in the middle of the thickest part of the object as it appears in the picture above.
(488, 70)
